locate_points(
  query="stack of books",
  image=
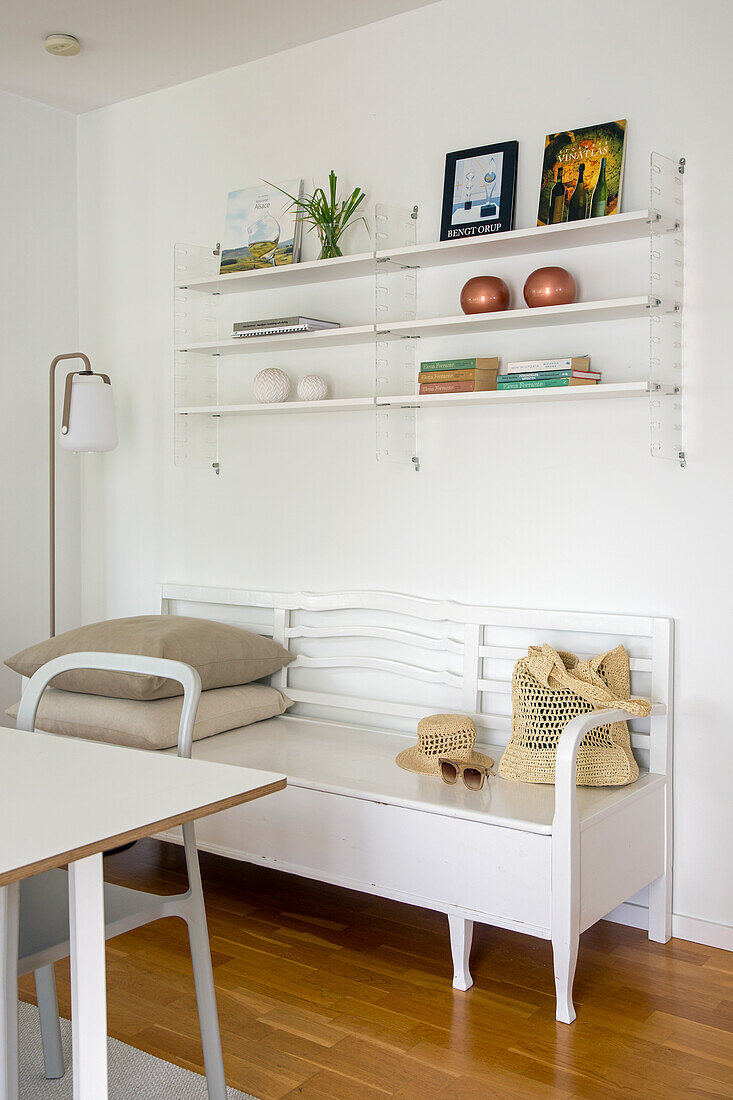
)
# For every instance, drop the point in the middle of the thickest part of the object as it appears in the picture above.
(540, 373)
(279, 326)
(458, 375)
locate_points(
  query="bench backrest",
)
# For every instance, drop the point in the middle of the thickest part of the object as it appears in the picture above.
(386, 660)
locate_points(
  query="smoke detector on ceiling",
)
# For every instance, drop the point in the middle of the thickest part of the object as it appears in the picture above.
(63, 45)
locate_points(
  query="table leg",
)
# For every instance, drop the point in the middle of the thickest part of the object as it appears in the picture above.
(88, 984)
(9, 902)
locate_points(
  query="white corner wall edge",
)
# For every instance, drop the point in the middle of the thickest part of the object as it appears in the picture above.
(694, 929)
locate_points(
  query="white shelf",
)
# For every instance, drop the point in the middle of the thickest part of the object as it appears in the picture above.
(426, 401)
(517, 397)
(524, 242)
(292, 341)
(344, 404)
(271, 278)
(613, 229)
(615, 309)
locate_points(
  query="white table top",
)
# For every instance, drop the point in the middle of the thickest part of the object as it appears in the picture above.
(63, 798)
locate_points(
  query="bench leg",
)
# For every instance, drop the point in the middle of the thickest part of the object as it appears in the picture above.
(565, 958)
(660, 909)
(461, 935)
(48, 1012)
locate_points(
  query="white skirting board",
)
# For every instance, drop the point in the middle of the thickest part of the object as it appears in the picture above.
(630, 913)
(693, 929)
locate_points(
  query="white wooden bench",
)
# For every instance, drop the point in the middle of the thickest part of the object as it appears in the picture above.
(547, 861)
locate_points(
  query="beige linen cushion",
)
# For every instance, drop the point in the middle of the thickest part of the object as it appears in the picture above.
(223, 655)
(154, 724)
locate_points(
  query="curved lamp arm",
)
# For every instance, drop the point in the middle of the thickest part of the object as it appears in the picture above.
(117, 662)
(52, 462)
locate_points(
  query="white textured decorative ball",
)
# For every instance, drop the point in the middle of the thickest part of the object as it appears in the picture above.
(313, 388)
(271, 385)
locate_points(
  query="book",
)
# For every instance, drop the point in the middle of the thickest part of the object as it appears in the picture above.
(479, 385)
(467, 375)
(547, 383)
(243, 328)
(262, 229)
(538, 375)
(460, 364)
(283, 330)
(582, 173)
(578, 362)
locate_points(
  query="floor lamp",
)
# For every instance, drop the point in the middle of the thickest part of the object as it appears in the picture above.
(88, 423)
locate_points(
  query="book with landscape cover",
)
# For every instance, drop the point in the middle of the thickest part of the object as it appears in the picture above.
(262, 228)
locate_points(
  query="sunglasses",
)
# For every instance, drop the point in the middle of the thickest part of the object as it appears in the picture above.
(473, 775)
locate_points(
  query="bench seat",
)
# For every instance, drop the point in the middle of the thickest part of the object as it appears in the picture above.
(359, 762)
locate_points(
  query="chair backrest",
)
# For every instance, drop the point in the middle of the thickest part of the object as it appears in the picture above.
(187, 676)
(386, 660)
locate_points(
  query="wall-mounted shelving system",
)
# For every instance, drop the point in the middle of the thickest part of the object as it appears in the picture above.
(396, 330)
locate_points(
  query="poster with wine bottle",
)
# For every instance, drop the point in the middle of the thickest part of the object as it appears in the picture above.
(261, 229)
(582, 173)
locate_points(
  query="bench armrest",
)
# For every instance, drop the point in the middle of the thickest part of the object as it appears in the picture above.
(187, 676)
(566, 802)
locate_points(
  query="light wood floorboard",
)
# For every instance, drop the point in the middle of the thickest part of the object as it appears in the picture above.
(326, 994)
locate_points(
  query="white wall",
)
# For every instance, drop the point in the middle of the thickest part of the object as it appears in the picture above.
(540, 506)
(38, 314)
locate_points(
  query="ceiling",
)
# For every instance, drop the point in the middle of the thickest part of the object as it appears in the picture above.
(130, 47)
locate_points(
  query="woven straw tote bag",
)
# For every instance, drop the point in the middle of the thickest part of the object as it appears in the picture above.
(548, 689)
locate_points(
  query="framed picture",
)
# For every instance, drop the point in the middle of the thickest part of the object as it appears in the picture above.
(479, 189)
(582, 173)
(262, 228)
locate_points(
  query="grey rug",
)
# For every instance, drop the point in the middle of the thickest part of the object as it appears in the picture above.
(133, 1074)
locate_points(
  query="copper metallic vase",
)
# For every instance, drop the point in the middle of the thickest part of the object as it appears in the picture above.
(550, 286)
(485, 294)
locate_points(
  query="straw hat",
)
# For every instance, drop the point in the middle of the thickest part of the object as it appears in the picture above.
(442, 736)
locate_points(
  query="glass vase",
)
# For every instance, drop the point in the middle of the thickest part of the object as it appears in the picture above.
(329, 244)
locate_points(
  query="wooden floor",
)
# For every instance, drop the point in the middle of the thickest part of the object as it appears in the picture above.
(330, 995)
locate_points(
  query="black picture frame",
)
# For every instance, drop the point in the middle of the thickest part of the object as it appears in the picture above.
(492, 207)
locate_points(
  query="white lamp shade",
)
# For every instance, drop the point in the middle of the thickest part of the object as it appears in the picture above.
(92, 420)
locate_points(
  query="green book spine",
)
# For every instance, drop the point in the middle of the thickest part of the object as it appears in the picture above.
(545, 383)
(537, 376)
(449, 364)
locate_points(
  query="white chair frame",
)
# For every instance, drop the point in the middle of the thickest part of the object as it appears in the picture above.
(44, 909)
(553, 886)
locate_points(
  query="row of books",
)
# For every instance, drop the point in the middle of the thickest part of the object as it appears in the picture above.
(474, 375)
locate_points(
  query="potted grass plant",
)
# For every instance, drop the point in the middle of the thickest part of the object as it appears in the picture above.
(328, 214)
